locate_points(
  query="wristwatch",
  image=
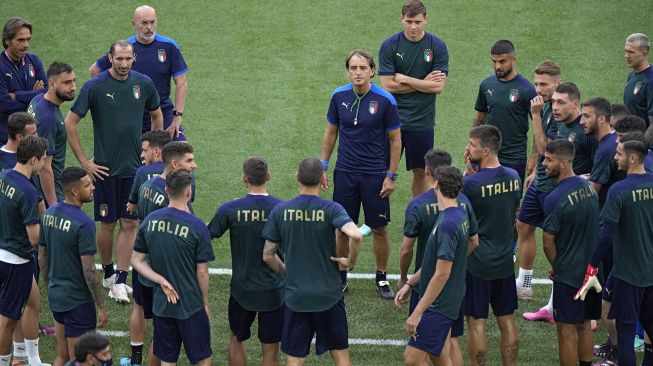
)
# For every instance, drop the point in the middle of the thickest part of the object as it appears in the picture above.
(391, 175)
(175, 113)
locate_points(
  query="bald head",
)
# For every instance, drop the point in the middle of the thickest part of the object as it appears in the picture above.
(144, 23)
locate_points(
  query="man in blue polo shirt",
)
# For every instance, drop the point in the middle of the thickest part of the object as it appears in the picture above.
(638, 93)
(365, 117)
(23, 76)
(159, 58)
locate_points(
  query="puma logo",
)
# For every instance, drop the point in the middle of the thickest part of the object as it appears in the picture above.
(346, 105)
(401, 55)
(8, 74)
(111, 95)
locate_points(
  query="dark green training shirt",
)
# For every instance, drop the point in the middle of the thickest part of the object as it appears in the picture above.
(18, 209)
(544, 183)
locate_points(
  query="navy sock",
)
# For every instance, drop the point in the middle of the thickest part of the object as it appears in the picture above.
(108, 270)
(648, 355)
(584, 363)
(380, 276)
(343, 277)
(122, 277)
(137, 354)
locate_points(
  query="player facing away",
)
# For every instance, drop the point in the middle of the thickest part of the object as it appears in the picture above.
(494, 193)
(256, 290)
(421, 214)
(179, 248)
(570, 230)
(441, 278)
(67, 253)
(19, 233)
(504, 101)
(44, 108)
(364, 117)
(117, 99)
(626, 218)
(23, 73)
(160, 58)
(19, 126)
(303, 229)
(413, 66)
(152, 196)
(638, 92)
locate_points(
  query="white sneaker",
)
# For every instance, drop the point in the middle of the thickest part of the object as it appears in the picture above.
(524, 293)
(119, 293)
(109, 282)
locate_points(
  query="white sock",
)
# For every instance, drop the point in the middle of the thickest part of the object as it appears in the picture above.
(549, 306)
(525, 277)
(32, 348)
(4, 360)
(19, 349)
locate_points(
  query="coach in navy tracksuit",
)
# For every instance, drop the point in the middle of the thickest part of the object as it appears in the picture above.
(23, 76)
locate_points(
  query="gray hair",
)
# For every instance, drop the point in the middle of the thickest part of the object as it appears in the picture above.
(641, 39)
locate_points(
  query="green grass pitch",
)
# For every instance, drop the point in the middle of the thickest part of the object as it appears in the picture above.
(260, 79)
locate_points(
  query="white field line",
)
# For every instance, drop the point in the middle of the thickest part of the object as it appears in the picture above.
(355, 276)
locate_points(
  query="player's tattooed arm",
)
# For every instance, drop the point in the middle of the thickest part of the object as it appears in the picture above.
(271, 258)
(91, 278)
(479, 119)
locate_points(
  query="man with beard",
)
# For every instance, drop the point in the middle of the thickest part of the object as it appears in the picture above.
(117, 99)
(23, 76)
(159, 58)
(44, 108)
(504, 101)
(570, 231)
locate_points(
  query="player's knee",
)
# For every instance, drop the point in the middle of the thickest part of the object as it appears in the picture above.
(380, 232)
(128, 224)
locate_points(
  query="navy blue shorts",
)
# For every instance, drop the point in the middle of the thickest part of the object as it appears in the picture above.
(352, 189)
(143, 295)
(570, 311)
(432, 332)
(500, 293)
(608, 288)
(194, 332)
(532, 207)
(110, 199)
(15, 286)
(241, 320)
(631, 303)
(329, 327)
(519, 168)
(415, 144)
(458, 325)
(77, 321)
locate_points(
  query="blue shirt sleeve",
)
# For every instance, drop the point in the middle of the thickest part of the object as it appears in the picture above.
(387, 58)
(178, 64)
(332, 115)
(441, 57)
(220, 222)
(481, 102)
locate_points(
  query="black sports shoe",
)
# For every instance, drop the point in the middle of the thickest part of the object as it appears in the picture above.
(602, 350)
(384, 290)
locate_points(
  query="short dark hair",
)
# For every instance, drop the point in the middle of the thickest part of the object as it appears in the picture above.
(90, 344)
(570, 89)
(648, 136)
(489, 137)
(450, 180)
(563, 148)
(120, 43)
(57, 68)
(361, 53)
(637, 147)
(177, 182)
(502, 47)
(256, 170)
(310, 172)
(413, 8)
(17, 122)
(630, 123)
(71, 176)
(602, 107)
(435, 158)
(156, 138)
(31, 147)
(619, 110)
(11, 28)
(633, 136)
(548, 67)
(175, 150)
